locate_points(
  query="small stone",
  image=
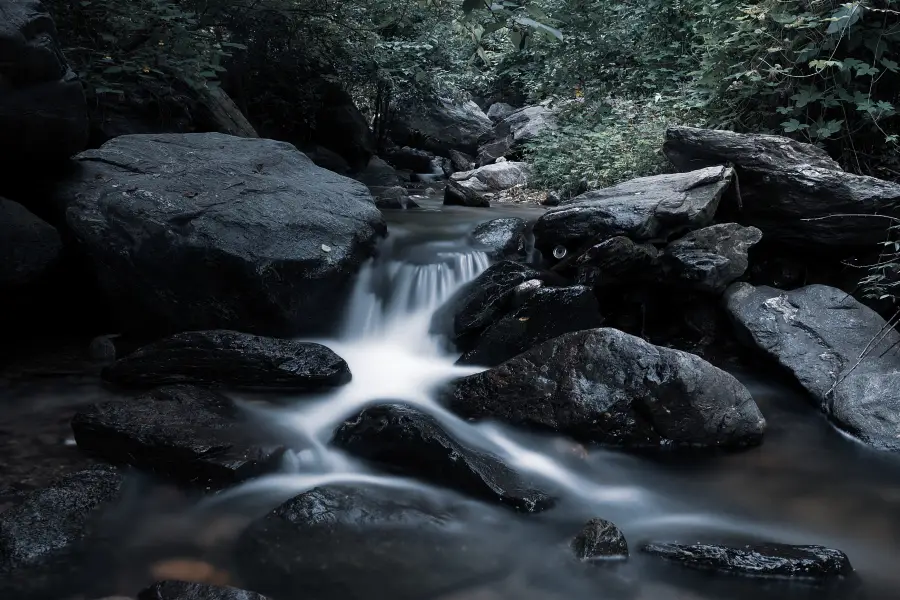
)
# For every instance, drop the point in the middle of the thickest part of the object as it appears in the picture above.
(102, 349)
(600, 540)
(430, 191)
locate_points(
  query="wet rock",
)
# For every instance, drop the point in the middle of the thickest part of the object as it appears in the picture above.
(478, 304)
(43, 111)
(328, 159)
(378, 174)
(102, 349)
(600, 539)
(711, 258)
(206, 231)
(499, 111)
(509, 136)
(541, 314)
(341, 542)
(29, 247)
(617, 260)
(607, 387)
(440, 125)
(461, 161)
(231, 359)
(480, 186)
(476, 195)
(503, 238)
(183, 590)
(644, 209)
(552, 199)
(758, 560)
(790, 190)
(406, 441)
(841, 351)
(185, 433)
(393, 198)
(417, 161)
(50, 522)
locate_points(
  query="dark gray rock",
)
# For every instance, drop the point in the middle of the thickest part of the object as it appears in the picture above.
(340, 126)
(29, 247)
(711, 258)
(393, 198)
(185, 433)
(413, 159)
(617, 260)
(481, 302)
(499, 111)
(841, 351)
(406, 441)
(328, 159)
(461, 161)
(43, 111)
(793, 192)
(50, 522)
(478, 187)
(206, 231)
(540, 314)
(183, 590)
(758, 560)
(600, 540)
(440, 125)
(509, 136)
(456, 194)
(504, 238)
(607, 387)
(231, 359)
(645, 209)
(340, 542)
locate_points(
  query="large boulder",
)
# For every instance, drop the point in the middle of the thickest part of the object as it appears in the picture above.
(504, 238)
(616, 261)
(479, 186)
(757, 560)
(339, 126)
(793, 192)
(231, 359)
(607, 387)
(711, 258)
(440, 125)
(184, 590)
(652, 208)
(509, 136)
(499, 111)
(343, 542)
(539, 314)
(406, 441)
(412, 159)
(207, 231)
(43, 111)
(841, 351)
(29, 247)
(189, 434)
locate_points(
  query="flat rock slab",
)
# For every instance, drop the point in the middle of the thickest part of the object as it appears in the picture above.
(607, 387)
(208, 231)
(183, 590)
(343, 542)
(645, 209)
(711, 258)
(404, 440)
(760, 560)
(189, 434)
(50, 522)
(600, 540)
(231, 359)
(819, 334)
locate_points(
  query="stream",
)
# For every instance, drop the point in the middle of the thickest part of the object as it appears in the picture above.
(806, 484)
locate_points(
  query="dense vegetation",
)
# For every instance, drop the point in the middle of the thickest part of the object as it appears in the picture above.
(819, 70)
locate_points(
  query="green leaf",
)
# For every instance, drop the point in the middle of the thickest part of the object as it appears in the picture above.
(845, 16)
(112, 70)
(890, 65)
(793, 125)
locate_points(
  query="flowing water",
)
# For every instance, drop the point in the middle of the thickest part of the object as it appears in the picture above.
(805, 485)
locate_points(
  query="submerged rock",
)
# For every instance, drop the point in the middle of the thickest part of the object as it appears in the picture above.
(343, 542)
(231, 359)
(793, 192)
(29, 247)
(206, 231)
(711, 258)
(600, 539)
(605, 386)
(841, 351)
(504, 238)
(644, 209)
(758, 560)
(50, 522)
(540, 314)
(181, 432)
(184, 590)
(406, 441)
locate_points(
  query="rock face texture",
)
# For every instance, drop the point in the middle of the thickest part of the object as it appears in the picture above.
(231, 359)
(605, 386)
(441, 125)
(841, 351)
(207, 231)
(644, 209)
(599, 539)
(28, 245)
(503, 238)
(183, 590)
(793, 192)
(43, 111)
(510, 134)
(711, 258)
